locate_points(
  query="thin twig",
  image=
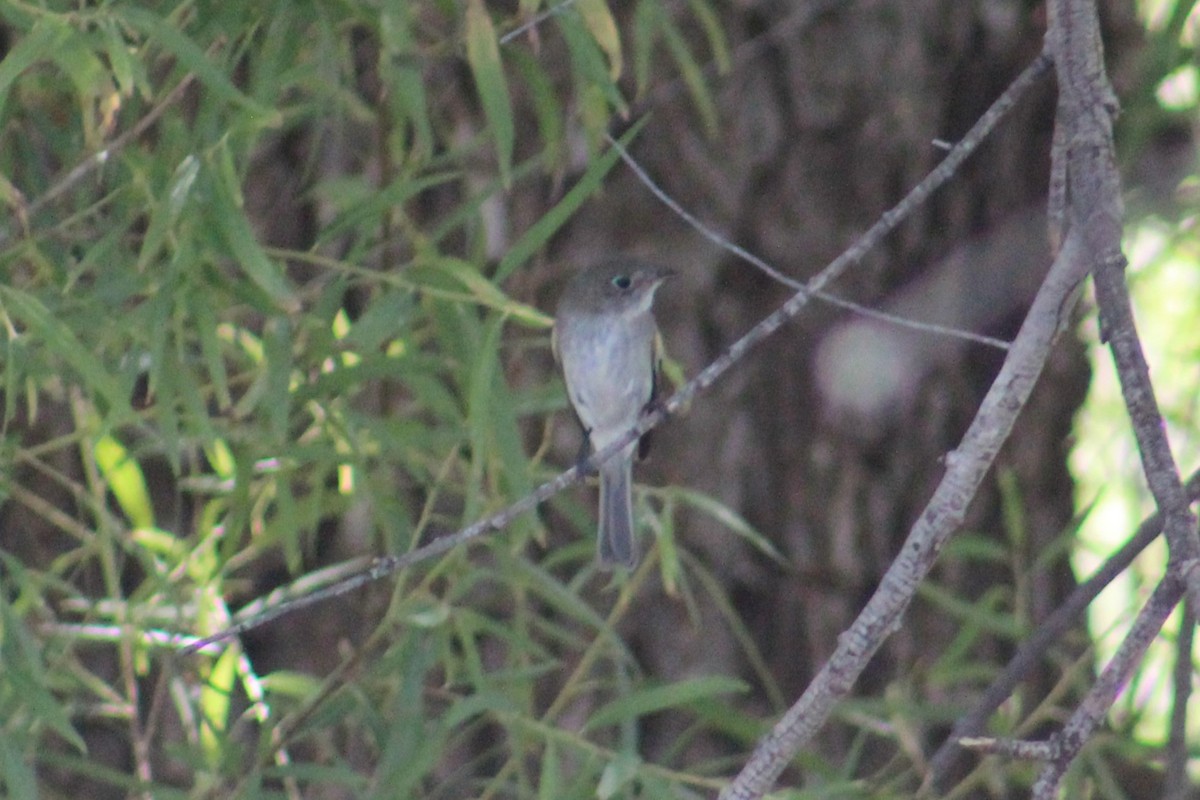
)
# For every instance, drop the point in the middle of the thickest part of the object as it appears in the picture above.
(1048, 632)
(778, 276)
(1103, 694)
(1178, 785)
(1022, 749)
(537, 20)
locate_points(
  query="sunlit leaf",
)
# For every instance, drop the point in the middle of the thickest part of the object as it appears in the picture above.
(603, 27)
(124, 478)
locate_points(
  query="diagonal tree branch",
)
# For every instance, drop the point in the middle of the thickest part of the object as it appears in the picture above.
(1083, 723)
(1093, 195)
(1085, 156)
(965, 470)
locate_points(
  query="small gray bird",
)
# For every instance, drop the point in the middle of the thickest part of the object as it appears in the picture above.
(606, 343)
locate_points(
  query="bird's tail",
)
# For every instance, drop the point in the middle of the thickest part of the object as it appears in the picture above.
(616, 543)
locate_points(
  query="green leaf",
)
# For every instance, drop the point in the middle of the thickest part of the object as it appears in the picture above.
(480, 416)
(277, 352)
(486, 293)
(227, 211)
(47, 328)
(658, 698)
(549, 223)
(603, 27)
(288, 683)
(215, 703)
(546, 107)
(692, 73)
(195, 60)
(165, 214)
(486, 702)
(715, 32)
(550, 784)
(124, 477)
(730, 519)
(645, 33)
(483, 54)
(25, 674)
(92, 81)
(377, 202)
(18, 780)
(126, 71)
(210, 346)
(400, 67)
(47, 36)
(618, 774)
(592, 74)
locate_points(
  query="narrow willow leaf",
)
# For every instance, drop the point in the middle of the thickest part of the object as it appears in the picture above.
(617, 774)
(487, 701)
(550, 781)
(215, 700)
(376, 202)
(400, 67)
(25, 675)
(486, 292)
(19, 779)
(589, 63)
(693, 75)
(594, 114)
(483, 54)
(277, 347)
(732, 520)
(657, 698)
(481, 415)
(165, 214)
(16, 359)
(549, 223)
(715, 33)
(210, 346)
(93, 84)
(645, 33)
(195, 60)
(546, 108)
(603, 27)
(973, 613)
(125, 480)
(229, 217)
(126, 70)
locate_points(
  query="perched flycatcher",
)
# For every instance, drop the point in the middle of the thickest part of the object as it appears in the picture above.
(605, 340)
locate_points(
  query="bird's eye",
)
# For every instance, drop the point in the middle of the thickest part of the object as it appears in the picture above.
(622, 282)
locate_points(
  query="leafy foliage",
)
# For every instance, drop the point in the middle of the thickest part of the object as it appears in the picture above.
(210, 366)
